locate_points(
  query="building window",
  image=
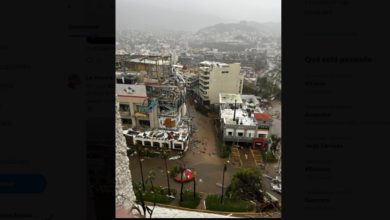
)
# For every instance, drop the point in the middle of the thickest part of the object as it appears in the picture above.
(177, 146)
(260, 135)
(240, 134)
(126, 121)
(124, 107)
(144, 123)
(249, 134)
(139, 108)
(230, 133)
(225, 71)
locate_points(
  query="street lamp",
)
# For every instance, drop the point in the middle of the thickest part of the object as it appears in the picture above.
(223, 180)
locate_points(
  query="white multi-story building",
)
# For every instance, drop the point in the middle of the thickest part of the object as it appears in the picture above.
(242, 120)
(215, 78)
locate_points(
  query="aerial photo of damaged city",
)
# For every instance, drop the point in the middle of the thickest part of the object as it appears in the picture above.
(198, 109)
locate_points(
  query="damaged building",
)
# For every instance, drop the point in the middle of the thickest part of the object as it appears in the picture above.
(156, 138)
(242, 120)
(136, 109)
(171, 105)
(154, 113)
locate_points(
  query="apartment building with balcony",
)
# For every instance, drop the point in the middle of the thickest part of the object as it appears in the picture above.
(135, 108)
(215, 78)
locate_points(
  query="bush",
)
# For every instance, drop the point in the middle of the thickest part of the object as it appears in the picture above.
(271, 157)
(151, 153)
(173, 171)
(224, 150)
(159, 195)
(188, 200)
(246, 184)
(213, 202)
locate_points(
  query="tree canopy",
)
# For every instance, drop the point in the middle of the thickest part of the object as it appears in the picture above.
(246, 184)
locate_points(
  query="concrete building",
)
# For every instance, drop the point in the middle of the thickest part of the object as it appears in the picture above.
(126, 78)
(237, 124)
(264, 122)
(135, 108)
(171, 105)
(218, 78)
(176, 140)
(242, 120)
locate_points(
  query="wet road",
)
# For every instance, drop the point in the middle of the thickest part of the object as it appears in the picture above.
(201, 157)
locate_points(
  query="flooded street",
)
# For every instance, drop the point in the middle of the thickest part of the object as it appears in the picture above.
(201, 157)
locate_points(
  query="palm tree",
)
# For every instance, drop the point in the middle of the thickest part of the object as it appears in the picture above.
(275, 142)
(151, 177)
(182, 168)
(139, 151)
(164, 156)
(194, 176)
(223, 180)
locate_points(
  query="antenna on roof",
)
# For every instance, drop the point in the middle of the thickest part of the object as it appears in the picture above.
(234, 115)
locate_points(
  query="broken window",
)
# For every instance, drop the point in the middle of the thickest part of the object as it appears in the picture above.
(126, 121)
(139, 108)
(124, 107)
(144, 123)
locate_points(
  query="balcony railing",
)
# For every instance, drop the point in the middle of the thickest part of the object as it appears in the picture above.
(204, 83)
(204, 97)
(124, 113)
(203, 88)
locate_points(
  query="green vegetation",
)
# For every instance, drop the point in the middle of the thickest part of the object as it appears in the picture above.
(275, 141)
(224, 150)
(159, 194)
(213, 202)
(173, 171)
(266, 88)
(271, 157)
(164, 157)
(144, 152)
(246, 184)
(188, 200)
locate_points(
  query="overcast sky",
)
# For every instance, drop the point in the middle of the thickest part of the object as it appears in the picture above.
(234, 10)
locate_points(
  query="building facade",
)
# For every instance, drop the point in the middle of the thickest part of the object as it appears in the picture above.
(218, 78)
(135, 108)
(242, 120)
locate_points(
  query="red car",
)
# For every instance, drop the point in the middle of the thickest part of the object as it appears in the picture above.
(187, 176)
